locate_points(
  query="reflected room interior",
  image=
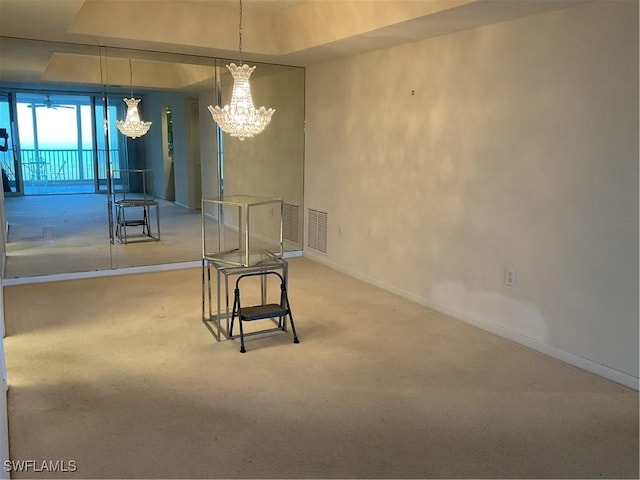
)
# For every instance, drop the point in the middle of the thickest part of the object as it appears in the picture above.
(64, 153)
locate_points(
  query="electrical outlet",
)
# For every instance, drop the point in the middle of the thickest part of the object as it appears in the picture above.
(510, 277)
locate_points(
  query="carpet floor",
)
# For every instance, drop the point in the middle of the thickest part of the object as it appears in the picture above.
(120, 376)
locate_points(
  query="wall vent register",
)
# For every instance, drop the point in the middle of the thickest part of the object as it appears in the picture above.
(290, 222)
(317, 230)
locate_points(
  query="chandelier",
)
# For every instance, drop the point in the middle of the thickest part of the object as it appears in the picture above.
(132, 126)
(240, 118)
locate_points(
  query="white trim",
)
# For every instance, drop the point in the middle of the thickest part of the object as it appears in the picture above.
(58, 277)
(101, 273)
(542, 347)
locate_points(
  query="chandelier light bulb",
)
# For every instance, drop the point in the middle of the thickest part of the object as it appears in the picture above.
(240, 118)
(132, 126)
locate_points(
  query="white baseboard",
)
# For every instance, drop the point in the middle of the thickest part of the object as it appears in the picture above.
(100, 273)
(542, 347)
(57, 277)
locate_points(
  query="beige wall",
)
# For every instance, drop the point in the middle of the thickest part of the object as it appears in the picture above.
(208, 147)
(443, 162)
(167, 182)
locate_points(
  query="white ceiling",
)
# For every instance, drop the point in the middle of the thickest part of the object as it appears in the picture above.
(285, 32)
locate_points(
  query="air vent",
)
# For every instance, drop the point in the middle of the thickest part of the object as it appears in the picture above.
(317, 231)
(290, 222)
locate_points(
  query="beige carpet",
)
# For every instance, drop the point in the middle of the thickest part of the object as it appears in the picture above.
(120, 375)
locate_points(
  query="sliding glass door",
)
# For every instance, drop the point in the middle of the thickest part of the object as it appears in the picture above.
(55, 143)
(62, 144)
(9, 151)
(109, 149)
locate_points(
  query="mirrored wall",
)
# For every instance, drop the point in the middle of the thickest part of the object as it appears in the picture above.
(65, 162)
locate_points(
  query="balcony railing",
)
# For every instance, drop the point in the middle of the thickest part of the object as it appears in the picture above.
(63, 165)
(56, 170)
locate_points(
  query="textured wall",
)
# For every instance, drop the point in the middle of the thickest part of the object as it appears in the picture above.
(442, 162)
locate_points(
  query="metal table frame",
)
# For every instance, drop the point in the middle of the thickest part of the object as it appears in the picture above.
(133, 189)
(122, 222)
(219, 323)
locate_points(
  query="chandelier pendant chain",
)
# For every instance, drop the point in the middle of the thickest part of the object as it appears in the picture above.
(131, 77)
(240, 34)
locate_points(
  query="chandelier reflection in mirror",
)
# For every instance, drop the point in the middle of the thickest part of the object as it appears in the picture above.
(240, 118)
(132, 126)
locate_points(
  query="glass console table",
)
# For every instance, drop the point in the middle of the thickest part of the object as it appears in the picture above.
(240, 234)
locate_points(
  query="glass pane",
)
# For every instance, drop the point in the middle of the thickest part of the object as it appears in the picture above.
(56, 137)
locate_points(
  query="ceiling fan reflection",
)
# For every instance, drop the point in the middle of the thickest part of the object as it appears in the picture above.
(48, 103)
